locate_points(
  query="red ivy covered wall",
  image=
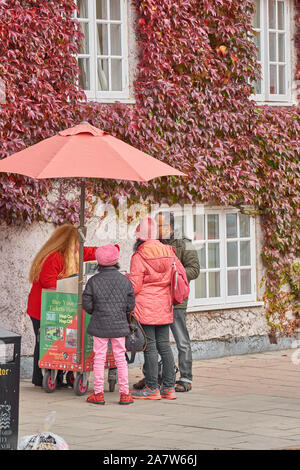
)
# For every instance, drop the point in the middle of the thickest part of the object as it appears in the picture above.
(192, 110)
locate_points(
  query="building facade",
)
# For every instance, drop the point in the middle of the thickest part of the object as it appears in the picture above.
(226, 312)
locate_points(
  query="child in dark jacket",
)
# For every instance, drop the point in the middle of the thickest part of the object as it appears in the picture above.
(109, 298)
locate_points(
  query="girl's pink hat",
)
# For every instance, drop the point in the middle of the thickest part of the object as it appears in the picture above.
(108, 255)
(147, 229)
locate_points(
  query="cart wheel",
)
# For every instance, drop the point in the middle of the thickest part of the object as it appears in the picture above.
(48, 386)
(78, 387)
(112, 384)
(70, 378)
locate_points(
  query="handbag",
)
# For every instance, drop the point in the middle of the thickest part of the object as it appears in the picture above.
(136, 340)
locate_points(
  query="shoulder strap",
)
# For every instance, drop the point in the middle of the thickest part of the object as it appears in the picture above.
(132, 357)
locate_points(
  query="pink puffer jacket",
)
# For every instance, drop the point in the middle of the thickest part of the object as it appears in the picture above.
(150, 275)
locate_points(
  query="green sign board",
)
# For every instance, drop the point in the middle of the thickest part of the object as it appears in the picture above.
(58, 333)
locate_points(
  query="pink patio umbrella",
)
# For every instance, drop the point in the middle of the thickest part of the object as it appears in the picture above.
(85, 151)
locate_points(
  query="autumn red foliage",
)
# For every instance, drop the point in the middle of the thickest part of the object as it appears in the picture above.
(193, 110)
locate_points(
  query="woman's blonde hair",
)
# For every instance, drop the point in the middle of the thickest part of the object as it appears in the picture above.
(64, 240)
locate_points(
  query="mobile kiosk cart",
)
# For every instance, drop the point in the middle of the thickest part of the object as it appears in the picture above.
(58, 338)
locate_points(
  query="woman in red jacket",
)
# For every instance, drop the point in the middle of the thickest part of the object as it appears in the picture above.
(57, 259)
(150, 275)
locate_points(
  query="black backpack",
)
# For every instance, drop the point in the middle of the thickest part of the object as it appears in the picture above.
(136, 340)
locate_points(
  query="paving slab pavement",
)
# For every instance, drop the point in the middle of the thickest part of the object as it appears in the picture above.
(249, 402)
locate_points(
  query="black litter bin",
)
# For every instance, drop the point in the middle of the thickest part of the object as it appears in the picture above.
(10, 348)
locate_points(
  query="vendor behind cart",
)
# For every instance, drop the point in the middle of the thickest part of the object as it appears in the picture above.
(57, 259)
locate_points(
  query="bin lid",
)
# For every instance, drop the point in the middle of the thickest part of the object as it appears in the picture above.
(6, 334)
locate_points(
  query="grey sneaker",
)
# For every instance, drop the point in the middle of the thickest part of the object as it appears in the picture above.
(168, 392)
(147, 394)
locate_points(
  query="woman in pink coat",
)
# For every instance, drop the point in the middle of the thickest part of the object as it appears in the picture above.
(150, 275)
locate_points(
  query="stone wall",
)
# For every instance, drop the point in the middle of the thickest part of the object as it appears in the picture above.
(225, 324)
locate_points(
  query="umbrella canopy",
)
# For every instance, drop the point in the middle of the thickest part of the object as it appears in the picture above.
(80, 152)
(85, 151)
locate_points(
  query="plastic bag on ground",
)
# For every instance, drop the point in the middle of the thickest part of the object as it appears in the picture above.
(44, 440)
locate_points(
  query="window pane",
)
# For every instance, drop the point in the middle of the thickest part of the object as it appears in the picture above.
(202, 256)
(272, 47)
(200, 286)
(115, 38)
(232, 254)
(116, 75)
(257, 87)
(102, 39)
(231, 225)
(273, 79)
(83, 8)
(245, 281)
(281, 47)
(180, 225)
(102, 71)
(257, 40)
(212, 226)
(199, 227)
(213, 254)
(101, 10)
(280, 6)
(233, 282)
(272, 14)
(256, 20)
(84, 45)
(244, 225)
(84, 77)
(115, 10)
(245, 258)
(214, 284)
(282, 80)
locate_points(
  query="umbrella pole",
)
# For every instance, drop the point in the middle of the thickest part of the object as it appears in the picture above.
(81, 236)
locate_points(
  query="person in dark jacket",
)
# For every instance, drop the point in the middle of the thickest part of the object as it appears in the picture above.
(109, 298)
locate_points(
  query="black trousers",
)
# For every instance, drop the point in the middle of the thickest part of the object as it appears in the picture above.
(37, 376)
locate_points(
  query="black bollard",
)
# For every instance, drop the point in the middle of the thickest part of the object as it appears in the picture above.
(10, 349)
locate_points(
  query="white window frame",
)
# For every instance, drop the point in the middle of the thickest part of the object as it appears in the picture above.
(266, 97)
(93, 94)
(224, 301)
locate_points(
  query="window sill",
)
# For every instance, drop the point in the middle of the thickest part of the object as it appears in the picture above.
(287, 104)
(232, 306)
(112, 100)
